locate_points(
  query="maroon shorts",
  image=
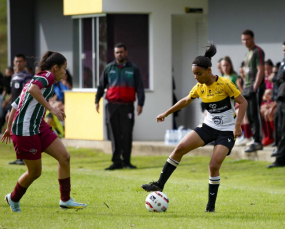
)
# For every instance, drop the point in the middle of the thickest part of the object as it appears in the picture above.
(31, 147)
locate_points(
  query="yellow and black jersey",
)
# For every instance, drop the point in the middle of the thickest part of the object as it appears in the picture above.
(218, 99)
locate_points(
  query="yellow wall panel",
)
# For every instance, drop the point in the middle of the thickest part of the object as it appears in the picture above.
(74, 7)
(82, 121)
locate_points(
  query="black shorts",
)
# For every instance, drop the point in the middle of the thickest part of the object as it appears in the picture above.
(209, 134)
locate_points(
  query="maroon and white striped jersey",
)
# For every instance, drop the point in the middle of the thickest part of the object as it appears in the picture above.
(29, 118)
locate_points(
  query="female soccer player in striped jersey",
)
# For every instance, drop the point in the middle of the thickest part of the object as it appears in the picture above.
(220, 125)
(31, 135)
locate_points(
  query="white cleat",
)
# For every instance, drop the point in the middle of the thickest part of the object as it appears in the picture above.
(250, 141)
(242, 141)
(14, 206)
(71, 204)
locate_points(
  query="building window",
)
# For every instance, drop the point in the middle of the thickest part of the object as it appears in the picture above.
(93, 45)
(87, 53)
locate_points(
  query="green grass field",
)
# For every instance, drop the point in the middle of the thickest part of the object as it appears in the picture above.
(250, 196)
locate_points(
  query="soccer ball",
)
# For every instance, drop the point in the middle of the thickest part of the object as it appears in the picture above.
(156, 202)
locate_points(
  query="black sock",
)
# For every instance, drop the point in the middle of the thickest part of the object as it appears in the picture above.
(214, 183)
(167, 170)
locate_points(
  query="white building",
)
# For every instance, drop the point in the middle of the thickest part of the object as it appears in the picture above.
(163, 37)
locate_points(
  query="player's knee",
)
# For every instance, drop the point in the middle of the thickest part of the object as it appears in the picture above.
(180, 150)
(66, 158)
(214, 167)
(35, 174)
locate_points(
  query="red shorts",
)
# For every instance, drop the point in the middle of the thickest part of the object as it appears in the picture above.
(31, 147)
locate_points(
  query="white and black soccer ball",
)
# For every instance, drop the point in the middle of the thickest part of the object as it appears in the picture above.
(156, 202)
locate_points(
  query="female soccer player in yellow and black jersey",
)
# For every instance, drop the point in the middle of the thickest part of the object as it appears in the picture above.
(220, 125)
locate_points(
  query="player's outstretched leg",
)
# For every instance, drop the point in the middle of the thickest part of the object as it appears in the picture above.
(166, 172)
(191, 141)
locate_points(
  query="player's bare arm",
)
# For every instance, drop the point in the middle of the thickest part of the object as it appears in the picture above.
(7, 134)
(35, 91)
(242, 109)
(176, 107)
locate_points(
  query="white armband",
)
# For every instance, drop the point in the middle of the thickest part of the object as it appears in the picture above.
(15, 105)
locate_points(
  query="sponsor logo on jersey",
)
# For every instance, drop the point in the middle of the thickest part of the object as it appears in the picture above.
(218, 90)
(213, 106)
(218, 120)
(112, 71)
(217, 110)
(210, 93)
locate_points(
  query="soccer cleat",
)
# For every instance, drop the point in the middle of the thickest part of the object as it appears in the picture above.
(250, 142)
(129, 166)
(242, 141)
(71, 204)
(239, 140)
(114, 166)
(210, 209)
(275, 165)
(14, 206)
(17, 162)
(254, 147)
(151, 187)
(275, 153)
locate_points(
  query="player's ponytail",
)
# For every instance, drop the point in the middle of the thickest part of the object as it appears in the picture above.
(205, 61)
(211, 50)
(50, 59)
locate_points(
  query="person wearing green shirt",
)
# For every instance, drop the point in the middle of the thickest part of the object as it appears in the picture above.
(228, 70)
(254, 87)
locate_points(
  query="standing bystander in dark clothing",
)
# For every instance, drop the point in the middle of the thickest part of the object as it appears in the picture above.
(279, 119)
(18, 81)
(254, 87)
(123, 81)
(7, 80)
(2, 98)
(1, 83)
(5, 92)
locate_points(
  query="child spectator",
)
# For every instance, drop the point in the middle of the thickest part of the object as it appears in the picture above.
(57, 101)
(268, 107)
(246, 138)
